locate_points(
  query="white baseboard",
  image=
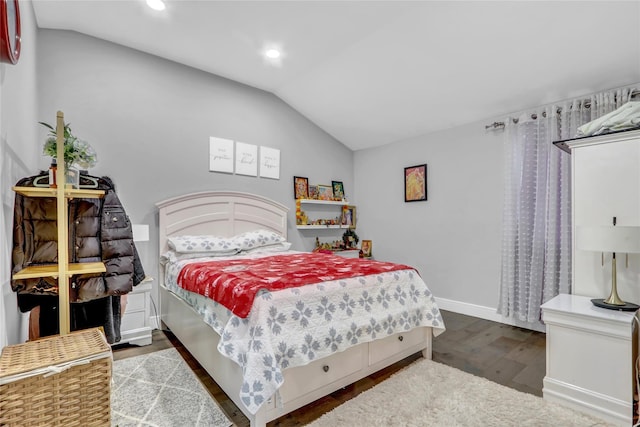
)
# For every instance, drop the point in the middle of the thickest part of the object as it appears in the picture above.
(605, 407)
(140, 336)
(483, 312)
(487, 313)
(154, 321)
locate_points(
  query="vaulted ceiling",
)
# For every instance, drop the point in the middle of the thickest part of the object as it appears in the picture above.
(376, 72)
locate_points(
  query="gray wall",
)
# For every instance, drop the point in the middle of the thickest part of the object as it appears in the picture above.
(454, 238)
(19, 155)
(150, 120)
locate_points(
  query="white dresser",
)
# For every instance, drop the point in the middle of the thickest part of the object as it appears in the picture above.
(591, 351)
(590, 358)
(136, 325)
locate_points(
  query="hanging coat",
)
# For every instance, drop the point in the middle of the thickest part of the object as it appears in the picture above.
(99, 230)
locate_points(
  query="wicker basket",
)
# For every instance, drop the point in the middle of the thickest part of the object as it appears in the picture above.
(63, 380)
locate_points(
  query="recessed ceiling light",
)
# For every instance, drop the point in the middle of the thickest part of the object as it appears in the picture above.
(272, 53)
(156, 4)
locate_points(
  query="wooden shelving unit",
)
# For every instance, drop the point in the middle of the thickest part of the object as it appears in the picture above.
(52, 270)
(69, 193)
(62, 270)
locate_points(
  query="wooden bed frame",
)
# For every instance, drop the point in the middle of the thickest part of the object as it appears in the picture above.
(225, 214)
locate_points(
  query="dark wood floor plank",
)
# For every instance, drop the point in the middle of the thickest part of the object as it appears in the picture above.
(509, 355)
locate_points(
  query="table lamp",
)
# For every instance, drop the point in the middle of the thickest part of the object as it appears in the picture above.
(614, 239)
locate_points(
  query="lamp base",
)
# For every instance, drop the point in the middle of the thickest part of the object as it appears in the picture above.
(628, 306)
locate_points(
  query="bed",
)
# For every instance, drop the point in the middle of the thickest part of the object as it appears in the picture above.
(317, 365)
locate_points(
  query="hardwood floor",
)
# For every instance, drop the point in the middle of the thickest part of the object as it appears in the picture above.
(505, 354)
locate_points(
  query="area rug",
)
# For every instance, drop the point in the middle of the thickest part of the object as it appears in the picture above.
(428, 393)
(159, 389)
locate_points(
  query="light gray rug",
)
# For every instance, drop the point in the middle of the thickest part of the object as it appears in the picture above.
(159, 389)
(428, 393)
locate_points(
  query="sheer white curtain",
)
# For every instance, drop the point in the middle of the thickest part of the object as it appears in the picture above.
(536, 241)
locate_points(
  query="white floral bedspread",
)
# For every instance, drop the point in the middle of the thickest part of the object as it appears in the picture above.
(294, 327)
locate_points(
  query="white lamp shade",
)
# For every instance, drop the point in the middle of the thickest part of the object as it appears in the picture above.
(608, 239)
(140, 232)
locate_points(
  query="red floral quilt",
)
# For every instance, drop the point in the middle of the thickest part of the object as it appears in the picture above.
(234, 283)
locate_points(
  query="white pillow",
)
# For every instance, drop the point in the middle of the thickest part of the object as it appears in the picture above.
(277, 247)
(204, 244)
(256, 239)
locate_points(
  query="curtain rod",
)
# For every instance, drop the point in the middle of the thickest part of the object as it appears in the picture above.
(587, 104)
(495, 125)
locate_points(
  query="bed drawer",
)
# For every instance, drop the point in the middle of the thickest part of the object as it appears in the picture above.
(305, 379)
(386, 347)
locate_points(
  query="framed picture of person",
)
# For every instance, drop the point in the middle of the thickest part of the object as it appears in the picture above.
(366, 248)
(300, 187)
(313, 191)
(338, 190)
(349, 216)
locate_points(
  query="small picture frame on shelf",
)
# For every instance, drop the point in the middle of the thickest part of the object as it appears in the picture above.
(313, 192)
(415, 183)
(325, 192)
(300, 187)
(366, 248)
(338, 190)
(349, 216)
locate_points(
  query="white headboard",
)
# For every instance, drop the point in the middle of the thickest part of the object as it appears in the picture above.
(220, 213)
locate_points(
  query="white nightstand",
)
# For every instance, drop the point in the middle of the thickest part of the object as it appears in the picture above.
(590, 357)
(136, 327)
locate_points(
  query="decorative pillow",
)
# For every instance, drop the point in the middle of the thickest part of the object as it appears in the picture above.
(256, 239)
(172, 256)
(277, 247)
(203, 244)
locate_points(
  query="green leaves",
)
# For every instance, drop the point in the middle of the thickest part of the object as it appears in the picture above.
(349, 233)
(76, 151)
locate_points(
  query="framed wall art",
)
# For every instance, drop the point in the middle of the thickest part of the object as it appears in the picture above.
(300, 187)
(415, 183)
(246, 159)
(313, 191)
(269, 163)
(366, 248)
(338, 190)
(325, 192)
(220, 154)
(349, 216)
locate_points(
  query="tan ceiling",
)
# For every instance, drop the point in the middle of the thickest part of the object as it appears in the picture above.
(376, 72)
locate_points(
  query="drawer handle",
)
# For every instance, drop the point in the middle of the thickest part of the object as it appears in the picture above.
(400, 338)
(325, 368)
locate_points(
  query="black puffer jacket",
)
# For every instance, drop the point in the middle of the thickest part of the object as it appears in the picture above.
(99, 230)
